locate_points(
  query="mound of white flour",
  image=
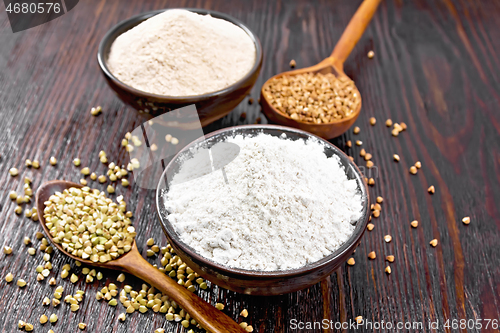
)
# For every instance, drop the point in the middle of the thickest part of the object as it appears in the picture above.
(181, 53)
(285, 205)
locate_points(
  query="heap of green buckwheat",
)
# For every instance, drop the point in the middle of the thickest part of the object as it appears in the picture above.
(89, 225)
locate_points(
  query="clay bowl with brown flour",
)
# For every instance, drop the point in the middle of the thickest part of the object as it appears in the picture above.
(210, 106)
(262, 282)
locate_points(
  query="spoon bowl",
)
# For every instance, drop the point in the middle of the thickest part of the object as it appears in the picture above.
(133, 263)
(43, 193)
(325, 130)
(334, 64)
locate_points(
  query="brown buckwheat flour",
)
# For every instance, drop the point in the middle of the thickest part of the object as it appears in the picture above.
(181, 53)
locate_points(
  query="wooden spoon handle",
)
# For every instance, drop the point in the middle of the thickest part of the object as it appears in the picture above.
(353, 32)
(210, 318)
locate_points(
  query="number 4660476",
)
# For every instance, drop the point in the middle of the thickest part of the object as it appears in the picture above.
(34, 8)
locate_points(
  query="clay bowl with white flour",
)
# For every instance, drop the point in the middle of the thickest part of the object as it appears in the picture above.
(210, 106)
(259, 281)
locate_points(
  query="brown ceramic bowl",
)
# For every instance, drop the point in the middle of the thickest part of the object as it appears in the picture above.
(261, 282)
(211, 106)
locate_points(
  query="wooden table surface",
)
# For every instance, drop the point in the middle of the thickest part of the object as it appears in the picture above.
(436, 68)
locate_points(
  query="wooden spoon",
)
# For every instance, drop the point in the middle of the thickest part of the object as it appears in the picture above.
(132, 262)
(333, 64)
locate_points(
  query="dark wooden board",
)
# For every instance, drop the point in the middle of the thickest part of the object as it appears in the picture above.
(436, 68)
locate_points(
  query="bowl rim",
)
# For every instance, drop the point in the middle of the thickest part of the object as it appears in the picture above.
(133, 21)
(342, 251)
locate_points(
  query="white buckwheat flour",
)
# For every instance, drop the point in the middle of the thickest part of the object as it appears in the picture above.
(181, 53)
(285, 205)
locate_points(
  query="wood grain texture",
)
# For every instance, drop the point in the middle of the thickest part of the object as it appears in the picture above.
(435, 68)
